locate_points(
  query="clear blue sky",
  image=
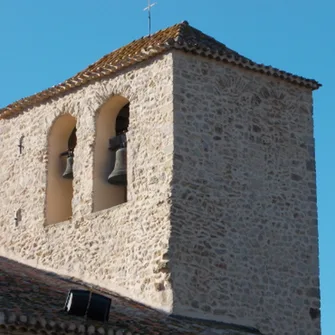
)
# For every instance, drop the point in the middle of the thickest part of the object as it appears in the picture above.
(45, 42)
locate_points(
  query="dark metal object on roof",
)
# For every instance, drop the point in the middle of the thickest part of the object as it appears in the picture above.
(87, 304)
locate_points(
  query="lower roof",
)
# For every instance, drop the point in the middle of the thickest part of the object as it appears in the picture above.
(33, 300)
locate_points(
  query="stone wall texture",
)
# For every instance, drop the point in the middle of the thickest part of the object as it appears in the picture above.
(244, 238)
(121, 247)
(221, 218)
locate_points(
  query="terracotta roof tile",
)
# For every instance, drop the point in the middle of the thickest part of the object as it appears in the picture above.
(180, 36)
(32, 298)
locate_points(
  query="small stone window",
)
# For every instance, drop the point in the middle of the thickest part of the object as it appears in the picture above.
(61, 152)
(109, 189)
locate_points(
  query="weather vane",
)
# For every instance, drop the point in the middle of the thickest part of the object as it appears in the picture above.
(149, 13)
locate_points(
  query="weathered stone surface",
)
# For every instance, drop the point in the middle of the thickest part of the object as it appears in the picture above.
(115, 248)
(220, 221)
(243, 244)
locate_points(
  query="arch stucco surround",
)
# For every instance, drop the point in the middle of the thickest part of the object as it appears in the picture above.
(106, 195)
(59, 190)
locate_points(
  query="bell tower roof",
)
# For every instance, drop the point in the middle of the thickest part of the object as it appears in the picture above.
(181, 36)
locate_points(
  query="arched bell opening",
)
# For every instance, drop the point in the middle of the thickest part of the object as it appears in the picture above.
(61, 150)
(110, 154)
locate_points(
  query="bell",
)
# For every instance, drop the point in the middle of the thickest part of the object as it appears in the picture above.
(119, 174)
(72, 142)
(68, 173)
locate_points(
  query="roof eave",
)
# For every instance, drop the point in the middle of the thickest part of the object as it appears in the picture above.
(27, 323)
(75, 82)
(250, 65)
(89, 75)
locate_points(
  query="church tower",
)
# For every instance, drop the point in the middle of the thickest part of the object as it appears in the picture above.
(215, 216)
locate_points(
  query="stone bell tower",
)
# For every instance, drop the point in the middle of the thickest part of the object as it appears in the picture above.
(218, 220)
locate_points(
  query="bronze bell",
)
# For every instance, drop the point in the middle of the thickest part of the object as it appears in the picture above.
(68, 173)
(119, 174)
(72, 142)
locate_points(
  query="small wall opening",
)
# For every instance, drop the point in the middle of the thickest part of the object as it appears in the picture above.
(112, 119)
(61, 144)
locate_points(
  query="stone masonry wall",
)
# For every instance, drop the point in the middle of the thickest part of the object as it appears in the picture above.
(244, 239)
(119, 248)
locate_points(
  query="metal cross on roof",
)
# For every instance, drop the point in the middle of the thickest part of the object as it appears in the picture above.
(149, 14)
